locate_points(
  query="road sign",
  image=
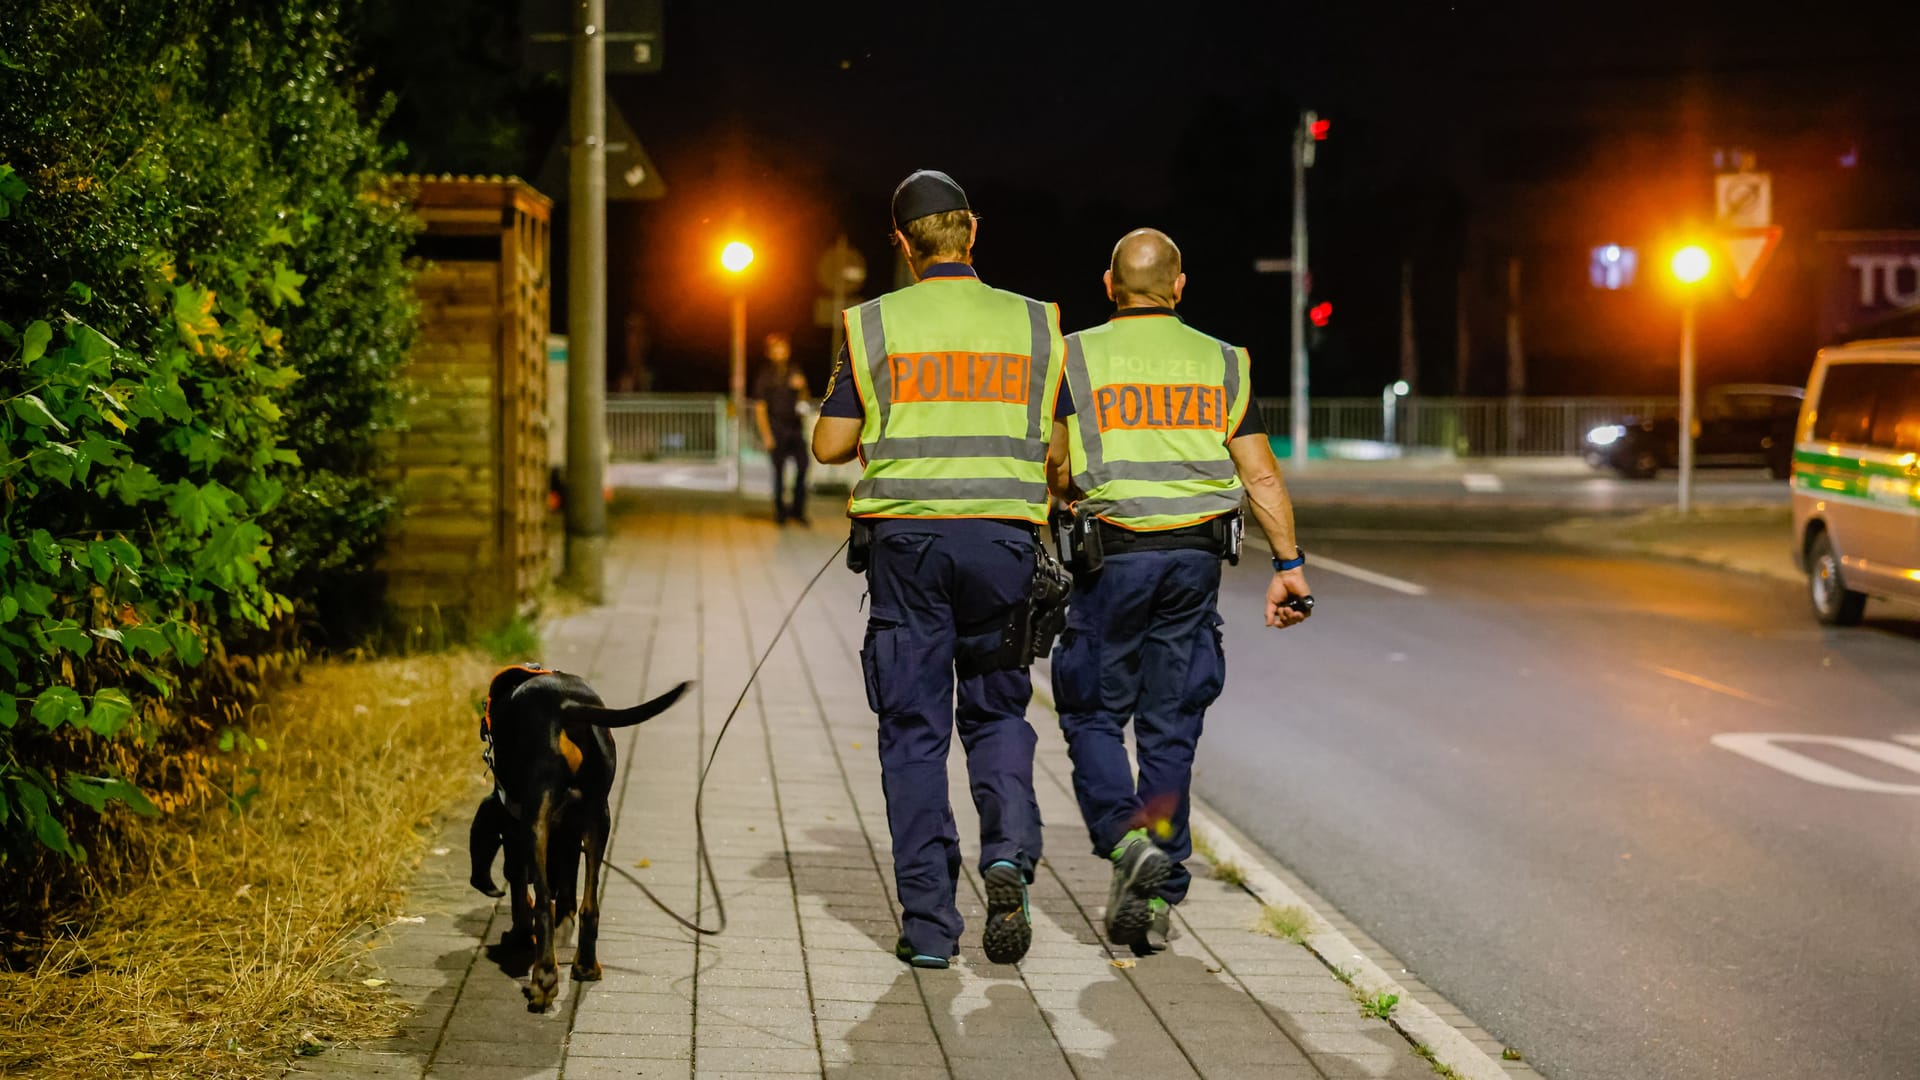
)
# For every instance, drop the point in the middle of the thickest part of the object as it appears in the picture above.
(1743, 200)
(633, 33)
(630, 173)
(842, 267)
(1748, 252)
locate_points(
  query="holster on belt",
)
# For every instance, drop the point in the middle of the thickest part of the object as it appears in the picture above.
(1076, 533)
(859, 546)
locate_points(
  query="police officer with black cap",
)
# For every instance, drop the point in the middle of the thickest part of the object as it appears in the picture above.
(1159, 445)
(947, 393)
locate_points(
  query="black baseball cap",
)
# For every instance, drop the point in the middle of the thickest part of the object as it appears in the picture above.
(926, 192)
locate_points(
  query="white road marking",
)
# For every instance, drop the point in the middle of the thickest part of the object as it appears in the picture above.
(1482, 483)
(1767, 749)
(1413, 536)
(1370, 577)
(1333, 565)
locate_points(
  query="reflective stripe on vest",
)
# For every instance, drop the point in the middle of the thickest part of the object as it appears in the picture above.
(1154, 405)
(958, 382)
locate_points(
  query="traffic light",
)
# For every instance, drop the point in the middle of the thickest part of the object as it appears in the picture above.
(1318, 128)
(1321, 313)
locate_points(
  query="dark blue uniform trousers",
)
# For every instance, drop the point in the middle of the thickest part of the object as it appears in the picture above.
(1142, 644)
(941, 600)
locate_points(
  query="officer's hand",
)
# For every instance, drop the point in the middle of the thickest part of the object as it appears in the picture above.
(1286, 585)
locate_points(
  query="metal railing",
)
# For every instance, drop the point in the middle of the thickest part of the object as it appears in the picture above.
(1469, 427)
(654, 427)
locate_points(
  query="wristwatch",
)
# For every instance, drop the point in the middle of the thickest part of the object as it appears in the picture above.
(1299, 560)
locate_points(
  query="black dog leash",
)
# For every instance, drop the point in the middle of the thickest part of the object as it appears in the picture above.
(700, 790)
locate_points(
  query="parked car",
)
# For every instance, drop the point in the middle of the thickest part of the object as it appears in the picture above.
(1740, 424)
(1856, 478)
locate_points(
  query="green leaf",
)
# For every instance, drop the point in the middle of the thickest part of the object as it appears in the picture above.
(186, 643)
(124, 552)
(34, 809)
(144, 639)
(79, 291)
(286, 285)
(58, 705)
(125, 792)
(43, 551)
(69, 636)
(30, 408)
(9, 711)
(137, 484)
(100, 557)
(85, 790)
(34, 345)
(110, 713)
(34, 598)
(9, 607)
(188, 506)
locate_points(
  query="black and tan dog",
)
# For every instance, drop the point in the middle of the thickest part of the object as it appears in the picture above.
(553, 767)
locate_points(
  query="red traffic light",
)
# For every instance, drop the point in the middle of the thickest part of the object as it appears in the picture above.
(1319, 128)
(1321, 313)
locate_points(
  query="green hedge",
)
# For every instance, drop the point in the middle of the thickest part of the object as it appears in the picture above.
(202, 309)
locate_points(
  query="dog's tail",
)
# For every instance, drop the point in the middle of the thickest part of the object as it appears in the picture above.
(637, 714)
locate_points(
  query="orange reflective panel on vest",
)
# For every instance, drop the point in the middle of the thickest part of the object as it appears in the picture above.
(1163, 406)
(960, 376)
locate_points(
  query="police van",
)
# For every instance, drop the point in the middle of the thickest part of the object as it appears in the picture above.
(1856, 478)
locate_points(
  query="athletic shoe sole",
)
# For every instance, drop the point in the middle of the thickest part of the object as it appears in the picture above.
(1009, 929)
(1128, 913)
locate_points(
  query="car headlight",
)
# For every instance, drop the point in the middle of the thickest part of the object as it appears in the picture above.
(1606, 435)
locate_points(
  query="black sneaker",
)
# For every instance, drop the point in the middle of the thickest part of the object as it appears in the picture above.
(1009, 924)
(1159, 929)
(905, 952)
(1138, 869)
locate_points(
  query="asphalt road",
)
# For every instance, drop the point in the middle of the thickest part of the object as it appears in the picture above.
(1508, 781)
(1560, 483)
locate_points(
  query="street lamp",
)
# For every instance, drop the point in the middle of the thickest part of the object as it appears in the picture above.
(735, 257)
(1389, 400)
(1691, 265)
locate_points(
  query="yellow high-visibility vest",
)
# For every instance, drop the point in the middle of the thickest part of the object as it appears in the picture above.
(958, 381)
(1155, 402)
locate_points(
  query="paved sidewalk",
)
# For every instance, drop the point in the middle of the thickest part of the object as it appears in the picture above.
(1751, 540)
(803, 983)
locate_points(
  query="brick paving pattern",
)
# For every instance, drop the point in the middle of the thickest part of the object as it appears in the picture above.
(804, 983)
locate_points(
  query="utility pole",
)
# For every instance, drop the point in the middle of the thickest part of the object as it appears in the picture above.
(1516, 360)
(1409, 352)
(1303, 140)
(737, 381)
(1686, 406)
(587, 305)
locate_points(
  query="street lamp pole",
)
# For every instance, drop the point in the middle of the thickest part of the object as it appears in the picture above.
(1302, 149)
(587, 305)
(739, 380)
(1691, 265)
(1686, 406)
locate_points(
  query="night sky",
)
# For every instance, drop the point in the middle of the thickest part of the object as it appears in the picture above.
(1068, 124)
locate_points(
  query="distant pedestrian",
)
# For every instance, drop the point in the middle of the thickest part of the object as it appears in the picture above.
(778, 399)
(947, 391)
(1156, 450)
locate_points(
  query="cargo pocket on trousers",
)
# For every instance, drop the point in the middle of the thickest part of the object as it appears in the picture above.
(1207, 672)
(1076, 672)
(881, 650)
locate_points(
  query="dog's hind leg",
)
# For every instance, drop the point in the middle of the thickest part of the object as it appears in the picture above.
(544, 981)
(586, 955)
(519, 935)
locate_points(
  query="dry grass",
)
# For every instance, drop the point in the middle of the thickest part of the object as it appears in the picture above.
(1290, 923)
(229, 955)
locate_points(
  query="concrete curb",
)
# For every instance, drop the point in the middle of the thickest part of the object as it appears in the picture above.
(1414, 1020)
(1601, 534)
(1419, 1024)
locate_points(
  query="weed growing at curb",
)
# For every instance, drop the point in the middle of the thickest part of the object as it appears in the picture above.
(1379, 1006)
(1230, 873)
(1508, 1053)
(1439, 1067)
(1345, 975)
(1289, 923)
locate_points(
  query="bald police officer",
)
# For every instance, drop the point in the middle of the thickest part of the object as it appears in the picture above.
(1156, 450)
(947, 392)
